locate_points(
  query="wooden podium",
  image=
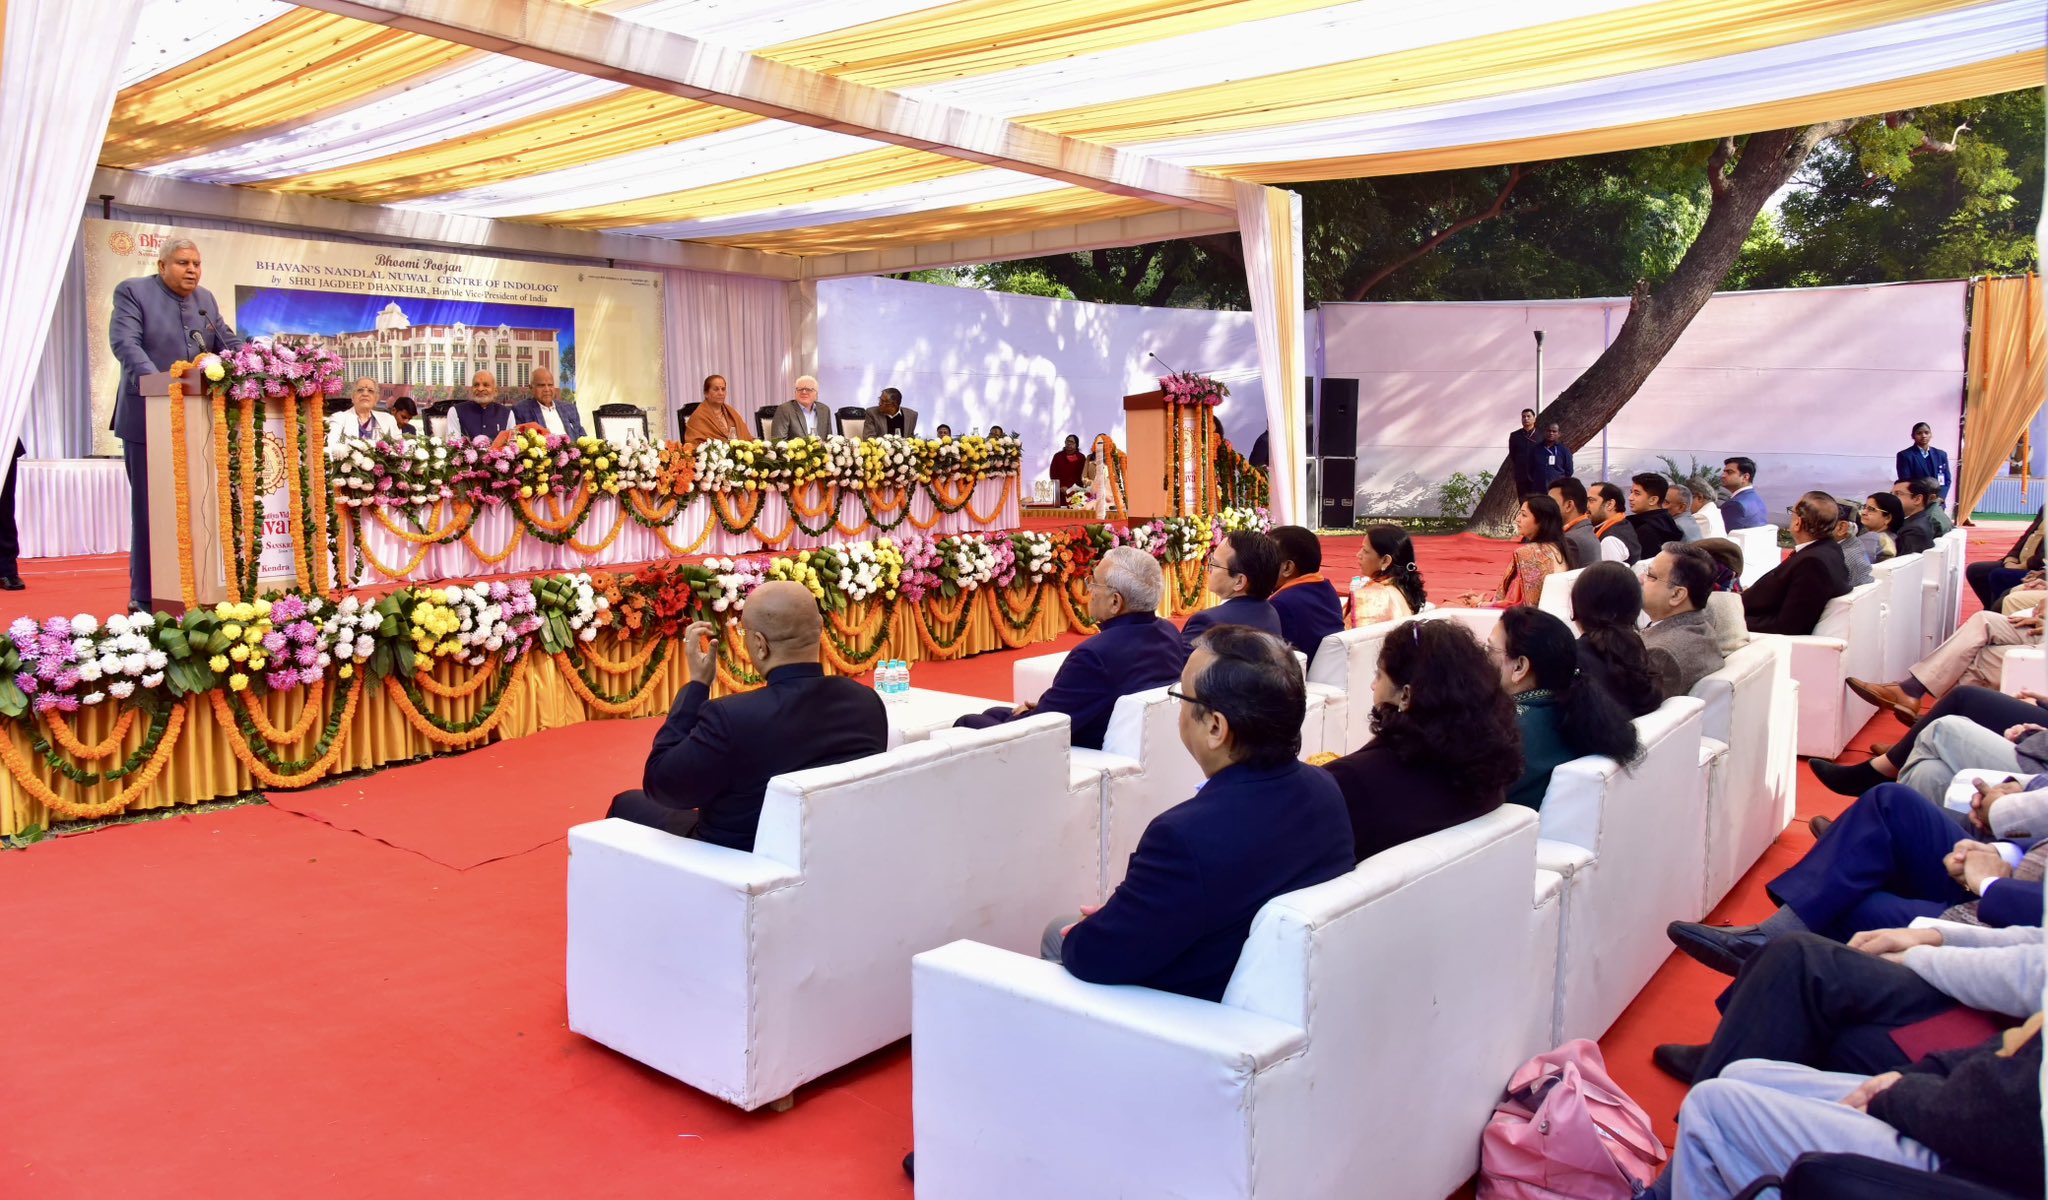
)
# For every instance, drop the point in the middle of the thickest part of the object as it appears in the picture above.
(211, 542)
(1146, 428)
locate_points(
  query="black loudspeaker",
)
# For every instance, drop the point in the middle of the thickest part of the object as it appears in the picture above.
(1336, 421)
(1339, 484)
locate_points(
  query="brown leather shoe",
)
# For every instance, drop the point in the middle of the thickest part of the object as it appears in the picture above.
(1888, 696)
(1880, 749)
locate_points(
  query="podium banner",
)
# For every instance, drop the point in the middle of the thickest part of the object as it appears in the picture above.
(419, 322)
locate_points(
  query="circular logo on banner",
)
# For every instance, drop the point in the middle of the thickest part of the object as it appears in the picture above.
(121, 242)
(271, 464)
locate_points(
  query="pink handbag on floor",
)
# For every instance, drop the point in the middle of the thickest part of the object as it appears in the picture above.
(1566, 1132)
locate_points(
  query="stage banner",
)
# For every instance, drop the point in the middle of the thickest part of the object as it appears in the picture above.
(419, 322)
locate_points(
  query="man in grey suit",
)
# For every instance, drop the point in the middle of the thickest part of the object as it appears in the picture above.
(1680, 637)
(157, 321)
(1678, 502)
(803, 416)
(888, 416)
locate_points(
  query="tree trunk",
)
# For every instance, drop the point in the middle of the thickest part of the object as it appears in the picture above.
(1656, 317)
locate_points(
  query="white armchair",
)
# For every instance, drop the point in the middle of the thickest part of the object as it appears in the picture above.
(1747, 706)
(1557, 595)
(1632, 849)
(1941, 589)
(745, 975)
(1353, 1002)
(1848, 640)
(2025, 668)
(1347, 662)
(1900, 589)
(1760, 552)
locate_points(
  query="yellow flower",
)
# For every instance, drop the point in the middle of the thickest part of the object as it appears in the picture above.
(451, 646)
(232, 630)
(256, 662)
(262, 608)
(238, 683)
(526, 493)
(252, 636)
(239, 653)
(219, 663)
(348, 671)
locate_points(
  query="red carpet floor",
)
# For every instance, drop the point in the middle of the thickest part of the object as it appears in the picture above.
(361, 995)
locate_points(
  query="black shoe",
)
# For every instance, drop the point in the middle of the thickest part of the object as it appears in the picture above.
(137, 606)
(1846, 781)
(1680, 1061)
(910, 1165)
(11, 583)
(1722, 949)
(1819, 825)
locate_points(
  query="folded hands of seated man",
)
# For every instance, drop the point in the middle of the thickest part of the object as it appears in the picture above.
(1892, 944)
(1974, 864)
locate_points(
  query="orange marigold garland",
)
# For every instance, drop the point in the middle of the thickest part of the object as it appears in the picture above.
(252, 517)
(424, 680)
(1002, 497)
(224, 713)
(139, 782)
(295, 506)
(444, 738)
(299, 728)
(60, 729)
(181, 487)
(222, 483)
(610, 708)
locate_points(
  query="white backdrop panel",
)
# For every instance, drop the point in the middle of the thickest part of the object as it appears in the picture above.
(1042, 368)
(1821, 386)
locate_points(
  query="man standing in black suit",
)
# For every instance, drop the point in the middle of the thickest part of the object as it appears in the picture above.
(1790, 598)
(1263, 825)
(1524, 450)
(712, 760)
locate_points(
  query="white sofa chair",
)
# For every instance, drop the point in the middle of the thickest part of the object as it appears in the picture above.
(1631, 846)
(1359, 1050)
(1557, 597)
(1900, 588)
(1760, 552)
(747, 974)
(1942, 588)
(1347, 662)
(1847, 640)
(1748, 707)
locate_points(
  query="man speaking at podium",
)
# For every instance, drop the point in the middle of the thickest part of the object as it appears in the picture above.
(156, 323)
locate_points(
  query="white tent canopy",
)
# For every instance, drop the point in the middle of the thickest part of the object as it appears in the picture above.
(798, 140)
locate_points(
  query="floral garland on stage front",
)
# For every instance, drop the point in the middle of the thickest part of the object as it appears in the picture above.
(468, 645)
(428, 492)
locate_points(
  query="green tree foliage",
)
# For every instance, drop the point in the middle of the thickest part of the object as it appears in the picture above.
(1942, 192)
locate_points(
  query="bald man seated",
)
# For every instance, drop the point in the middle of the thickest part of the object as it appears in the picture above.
(547, 409)
(485, 414)
(712, 760)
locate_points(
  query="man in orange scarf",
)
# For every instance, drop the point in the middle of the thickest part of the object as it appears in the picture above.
(1307, 603)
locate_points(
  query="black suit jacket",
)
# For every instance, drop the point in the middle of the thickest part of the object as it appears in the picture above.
(477, 420)
(1653, 529)
(1391, 802)
(1916, 535)
(1791, 597)
(718, 756)
(1202, 871)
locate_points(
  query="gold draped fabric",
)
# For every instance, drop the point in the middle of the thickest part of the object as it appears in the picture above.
(2005, 379)
(203, 765)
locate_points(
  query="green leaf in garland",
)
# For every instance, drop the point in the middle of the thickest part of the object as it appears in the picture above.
(13, 702)
(379, 664)
(171, 640)
(405, 658)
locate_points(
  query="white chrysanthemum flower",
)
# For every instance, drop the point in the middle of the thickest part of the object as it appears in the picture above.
(88, 670)
(134, 664)
(92, 698)
(155, 680)
(156, 660)
(121, 689)
(85, 625)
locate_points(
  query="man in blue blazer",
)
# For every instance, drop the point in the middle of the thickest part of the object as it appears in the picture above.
(1307, 603)
(712, 759)
(1922, 460)
(1133, 650)
(1892, 856)
(546, 409)
(1264, 824)
(482, 415)
(1743, 509)
(158, 320)
(1242, 570)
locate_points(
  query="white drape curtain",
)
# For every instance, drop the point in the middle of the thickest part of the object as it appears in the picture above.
(1269, 219)
(59, 64)
(730, 325)
(59, 423)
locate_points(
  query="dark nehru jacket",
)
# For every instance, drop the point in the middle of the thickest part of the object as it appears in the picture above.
(1202, 871)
